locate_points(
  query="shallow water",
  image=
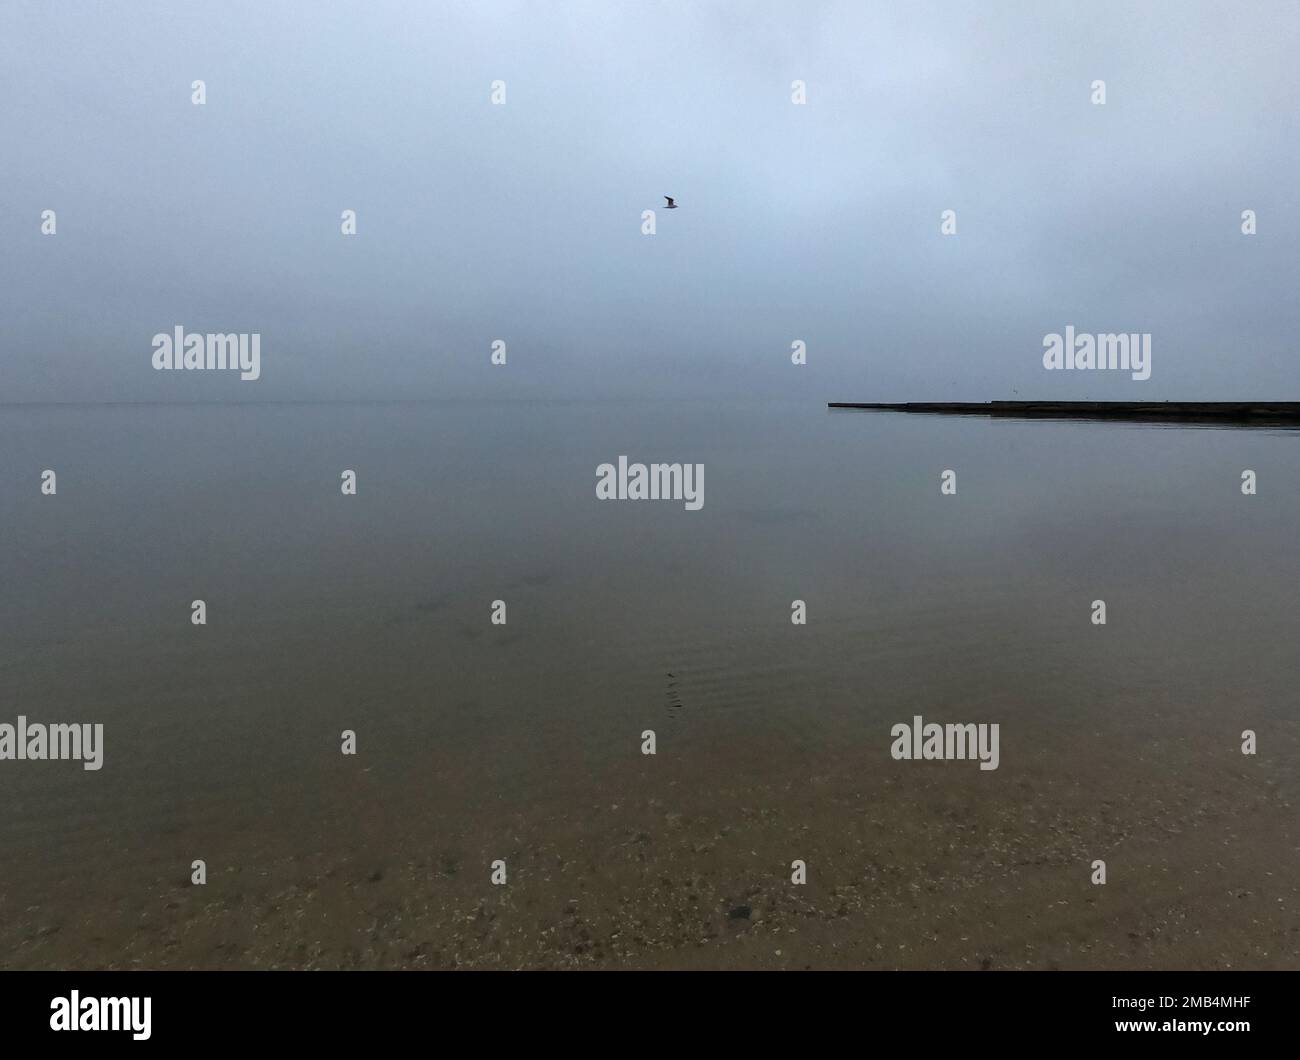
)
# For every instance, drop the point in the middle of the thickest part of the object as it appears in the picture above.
(522, 742)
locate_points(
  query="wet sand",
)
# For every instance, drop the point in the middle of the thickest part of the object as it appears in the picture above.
(922, 870)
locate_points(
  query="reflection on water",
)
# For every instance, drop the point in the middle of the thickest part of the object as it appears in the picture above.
(522, 741)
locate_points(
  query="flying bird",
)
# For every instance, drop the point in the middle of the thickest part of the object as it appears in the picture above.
(671, 205)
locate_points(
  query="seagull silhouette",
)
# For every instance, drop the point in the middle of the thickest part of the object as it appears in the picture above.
(671, 205)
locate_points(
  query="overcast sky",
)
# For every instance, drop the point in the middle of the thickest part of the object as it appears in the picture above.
(522, 222)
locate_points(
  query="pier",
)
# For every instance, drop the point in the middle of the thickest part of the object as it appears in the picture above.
(1253, 413)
